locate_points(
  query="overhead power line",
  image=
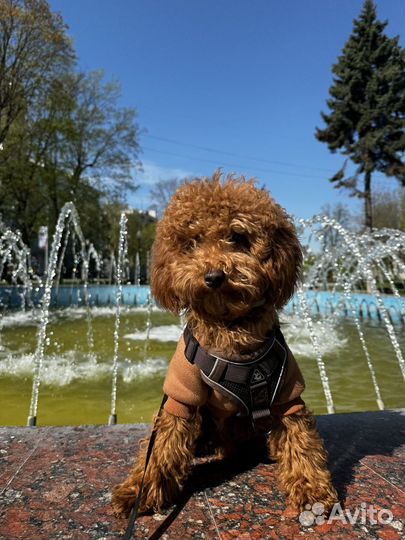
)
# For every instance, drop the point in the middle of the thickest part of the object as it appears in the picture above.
(235, 166)
(233, 154)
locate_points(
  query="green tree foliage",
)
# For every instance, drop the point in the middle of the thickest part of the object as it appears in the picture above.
(64, 136)
(101, 142)
(366, 121)
(34, 51)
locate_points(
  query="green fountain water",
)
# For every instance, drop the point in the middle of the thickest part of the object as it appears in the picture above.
(76, 383)
(90, 365)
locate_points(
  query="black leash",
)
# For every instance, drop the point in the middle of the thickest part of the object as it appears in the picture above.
(135, 509)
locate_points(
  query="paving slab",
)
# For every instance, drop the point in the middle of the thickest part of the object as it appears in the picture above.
(55, 484)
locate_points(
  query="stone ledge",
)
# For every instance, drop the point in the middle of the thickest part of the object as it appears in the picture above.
(55, 484)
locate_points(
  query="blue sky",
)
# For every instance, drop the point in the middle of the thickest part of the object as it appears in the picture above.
(236, 84)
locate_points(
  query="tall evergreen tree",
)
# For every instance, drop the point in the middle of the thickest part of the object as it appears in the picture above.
(366, 121)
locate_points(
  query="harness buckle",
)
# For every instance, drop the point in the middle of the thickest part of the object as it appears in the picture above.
(261, 421)
(259, 393)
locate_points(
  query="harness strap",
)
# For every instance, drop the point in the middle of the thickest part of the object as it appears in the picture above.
(252, 384)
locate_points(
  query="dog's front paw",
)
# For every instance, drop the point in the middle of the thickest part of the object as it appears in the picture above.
(123, 498)
(155, 496)
(125, 495)
(301, 496)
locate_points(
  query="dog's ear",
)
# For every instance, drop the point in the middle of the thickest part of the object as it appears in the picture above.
(284, 261)
(161, 279)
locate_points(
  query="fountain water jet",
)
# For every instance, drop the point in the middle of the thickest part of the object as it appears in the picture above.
(68, 214)
(14, 253)
(353, 260)
(122, 255)
(321, 365)
(148, 325)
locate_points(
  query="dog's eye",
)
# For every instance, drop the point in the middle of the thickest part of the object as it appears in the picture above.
(240, 240)
(194, 242)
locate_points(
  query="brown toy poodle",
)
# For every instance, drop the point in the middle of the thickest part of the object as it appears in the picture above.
(228, 255)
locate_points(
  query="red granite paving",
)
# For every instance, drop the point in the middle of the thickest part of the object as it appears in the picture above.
(55, 484)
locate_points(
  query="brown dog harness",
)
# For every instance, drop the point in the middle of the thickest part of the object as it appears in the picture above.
(253, 384)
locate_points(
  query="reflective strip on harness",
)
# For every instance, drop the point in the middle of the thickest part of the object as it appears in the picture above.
(253, 385)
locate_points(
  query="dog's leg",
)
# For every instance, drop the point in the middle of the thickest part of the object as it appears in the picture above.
(302, 461)
(168, 467)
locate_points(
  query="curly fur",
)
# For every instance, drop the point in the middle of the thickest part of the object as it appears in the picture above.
(302, 461)
(237, 229)
(168, 468)
(196, 236)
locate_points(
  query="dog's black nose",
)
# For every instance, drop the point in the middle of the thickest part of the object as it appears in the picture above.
(214, 278)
